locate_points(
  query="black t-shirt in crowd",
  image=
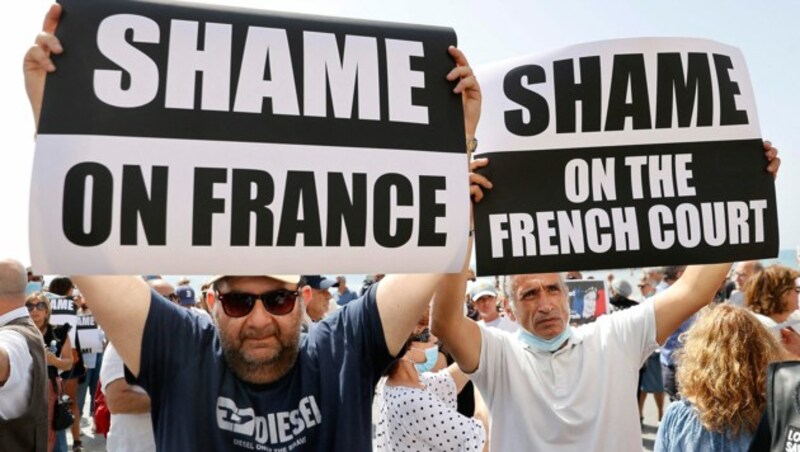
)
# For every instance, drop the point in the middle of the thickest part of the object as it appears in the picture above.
(322, 404)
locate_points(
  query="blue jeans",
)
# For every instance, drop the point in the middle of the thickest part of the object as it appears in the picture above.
(61, 441)
(89, 385)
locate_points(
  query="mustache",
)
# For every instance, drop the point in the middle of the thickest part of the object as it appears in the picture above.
(259, 333)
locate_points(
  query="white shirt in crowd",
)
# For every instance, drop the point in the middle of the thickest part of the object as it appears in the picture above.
(578, 398)
(425, 419)
(502, 323)
(15, 393)
(129, 432)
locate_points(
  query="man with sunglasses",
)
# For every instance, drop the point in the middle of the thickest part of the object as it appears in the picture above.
(23, 372)
(250, 381)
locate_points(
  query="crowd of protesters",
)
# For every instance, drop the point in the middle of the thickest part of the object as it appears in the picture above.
(292, 362)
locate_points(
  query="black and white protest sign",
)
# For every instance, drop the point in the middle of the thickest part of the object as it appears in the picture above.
(91, 338)
(63, 312)
(179, 139)
(622, 154)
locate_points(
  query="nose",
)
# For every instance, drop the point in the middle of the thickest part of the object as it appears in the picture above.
(259, 316)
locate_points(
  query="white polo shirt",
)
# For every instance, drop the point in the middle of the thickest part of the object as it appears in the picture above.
(15, 393)
(579, 398)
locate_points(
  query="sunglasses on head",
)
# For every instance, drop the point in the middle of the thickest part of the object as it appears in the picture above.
(239, 304)
(41, 306)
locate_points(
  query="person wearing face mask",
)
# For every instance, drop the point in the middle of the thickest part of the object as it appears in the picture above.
(418, 407)
(554, 387)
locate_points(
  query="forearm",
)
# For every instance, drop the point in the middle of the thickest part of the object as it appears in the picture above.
(695, 289)
(402, 300)
(120, 305)
(128, 402)
(5, 366)
(62, 364)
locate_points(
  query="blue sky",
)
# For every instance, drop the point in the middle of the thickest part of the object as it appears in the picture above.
(766, 32)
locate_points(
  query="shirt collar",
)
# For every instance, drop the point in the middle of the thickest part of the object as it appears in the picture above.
(13, 315)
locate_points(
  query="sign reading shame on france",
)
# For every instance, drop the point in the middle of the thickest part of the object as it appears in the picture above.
(620, 154)
(199, 140)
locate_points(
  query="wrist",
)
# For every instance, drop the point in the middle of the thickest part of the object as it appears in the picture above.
(472, 144)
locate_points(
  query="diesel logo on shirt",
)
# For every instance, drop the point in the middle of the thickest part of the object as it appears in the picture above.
(282, 427)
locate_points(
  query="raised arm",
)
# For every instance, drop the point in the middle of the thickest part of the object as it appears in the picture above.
(461, 336)
(37, 63)
(699, 283)
(402, 299)
(695, 289)
(119, 303)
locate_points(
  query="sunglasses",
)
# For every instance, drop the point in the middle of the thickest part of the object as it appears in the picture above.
(423, 336)
(239, 304)
(41, 306)
(173, 296)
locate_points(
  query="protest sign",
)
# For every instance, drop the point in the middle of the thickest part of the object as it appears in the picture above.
(619, 154)
(181, 139)
(588, 300)
(91, 337)
(63, 312)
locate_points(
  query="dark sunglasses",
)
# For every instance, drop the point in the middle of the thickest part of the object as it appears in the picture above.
(42, 306)
(239, 304)
(423, 336)
(173, 296)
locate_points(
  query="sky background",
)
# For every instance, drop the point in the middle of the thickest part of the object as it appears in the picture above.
(767, 33)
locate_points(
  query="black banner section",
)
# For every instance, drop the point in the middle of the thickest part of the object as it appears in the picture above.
(631, 206)
(136, 68)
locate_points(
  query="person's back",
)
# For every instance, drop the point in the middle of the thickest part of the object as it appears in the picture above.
(722, 379)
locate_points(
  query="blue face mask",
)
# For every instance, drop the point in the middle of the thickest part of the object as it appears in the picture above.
(431, 356)
(544, 345)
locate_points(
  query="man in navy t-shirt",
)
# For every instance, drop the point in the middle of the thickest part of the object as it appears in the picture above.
(252, 382)
(255, 383)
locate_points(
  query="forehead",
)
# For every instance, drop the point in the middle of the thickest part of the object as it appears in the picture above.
(535, 279)
(254, 284)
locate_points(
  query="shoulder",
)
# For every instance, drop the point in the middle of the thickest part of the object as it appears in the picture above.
(679, 414)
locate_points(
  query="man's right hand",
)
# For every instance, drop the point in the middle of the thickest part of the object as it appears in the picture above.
(37, 62)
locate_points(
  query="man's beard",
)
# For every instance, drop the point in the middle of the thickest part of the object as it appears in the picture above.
(260, 370)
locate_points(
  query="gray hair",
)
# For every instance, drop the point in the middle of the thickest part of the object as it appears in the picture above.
(509, 285)
(13, 278)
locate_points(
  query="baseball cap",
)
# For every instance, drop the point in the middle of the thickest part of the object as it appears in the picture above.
(318, 282)
(185, 295)
(622, 287)
(291, 279)
(481, 288)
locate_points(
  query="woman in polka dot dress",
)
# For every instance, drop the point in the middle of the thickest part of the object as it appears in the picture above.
(418, 407)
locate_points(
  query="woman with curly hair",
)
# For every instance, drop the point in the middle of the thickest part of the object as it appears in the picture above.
(722, 376)
(772, 294)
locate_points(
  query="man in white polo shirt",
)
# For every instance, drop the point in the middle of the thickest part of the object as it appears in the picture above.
(554, 387)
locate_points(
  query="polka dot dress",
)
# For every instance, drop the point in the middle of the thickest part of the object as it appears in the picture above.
(413, 419)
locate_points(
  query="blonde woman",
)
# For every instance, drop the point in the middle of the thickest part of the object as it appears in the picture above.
(58, 352)
(722, 378)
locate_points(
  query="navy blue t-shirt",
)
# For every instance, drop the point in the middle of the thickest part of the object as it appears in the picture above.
(323, 403)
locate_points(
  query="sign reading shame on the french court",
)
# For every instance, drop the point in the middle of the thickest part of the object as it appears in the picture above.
(185, 140)
(620, 154)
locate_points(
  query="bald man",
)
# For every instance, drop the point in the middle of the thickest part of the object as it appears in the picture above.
(23, 372)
